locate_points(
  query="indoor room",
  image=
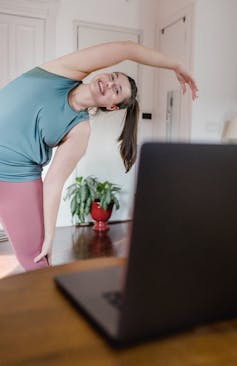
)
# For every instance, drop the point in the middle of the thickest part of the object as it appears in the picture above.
(185, 100)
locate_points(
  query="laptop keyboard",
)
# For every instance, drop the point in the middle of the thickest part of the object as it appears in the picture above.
(114, 298)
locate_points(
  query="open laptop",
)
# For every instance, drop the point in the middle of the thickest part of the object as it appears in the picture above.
(182, 265)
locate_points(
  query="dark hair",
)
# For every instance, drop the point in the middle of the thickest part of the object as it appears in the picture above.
(128, 136)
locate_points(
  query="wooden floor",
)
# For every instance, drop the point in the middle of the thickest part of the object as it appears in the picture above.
(71, 244)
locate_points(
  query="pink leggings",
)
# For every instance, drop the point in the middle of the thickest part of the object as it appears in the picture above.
(21, 215)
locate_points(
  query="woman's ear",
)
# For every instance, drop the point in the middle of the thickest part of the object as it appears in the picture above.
(113, 108)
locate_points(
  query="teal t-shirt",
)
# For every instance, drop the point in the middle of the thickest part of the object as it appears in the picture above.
(34, 117)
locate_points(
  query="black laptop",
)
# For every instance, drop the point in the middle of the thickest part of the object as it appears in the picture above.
(182, 265)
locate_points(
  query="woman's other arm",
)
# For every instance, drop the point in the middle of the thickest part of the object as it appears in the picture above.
(67, 155)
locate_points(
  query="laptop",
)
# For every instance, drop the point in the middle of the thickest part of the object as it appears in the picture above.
(182, 264)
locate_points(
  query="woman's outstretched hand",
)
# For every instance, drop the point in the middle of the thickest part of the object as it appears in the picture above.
(185, 78)
(45, 251)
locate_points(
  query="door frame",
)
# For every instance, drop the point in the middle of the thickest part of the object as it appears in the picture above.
(186, 103)
(77, 24)
(46, 10)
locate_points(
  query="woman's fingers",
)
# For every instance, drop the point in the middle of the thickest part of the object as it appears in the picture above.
(194, 89)
(45, 251)
(184, 79)
(40, 256)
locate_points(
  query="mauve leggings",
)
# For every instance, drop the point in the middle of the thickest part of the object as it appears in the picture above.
(21, 215)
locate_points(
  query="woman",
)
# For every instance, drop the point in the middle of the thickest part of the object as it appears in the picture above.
(47, 107)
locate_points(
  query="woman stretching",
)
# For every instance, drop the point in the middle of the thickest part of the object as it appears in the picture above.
(48, 107)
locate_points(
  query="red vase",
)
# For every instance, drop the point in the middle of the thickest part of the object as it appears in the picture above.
(101, 216)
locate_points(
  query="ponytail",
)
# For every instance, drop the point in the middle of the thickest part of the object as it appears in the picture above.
(128, 137)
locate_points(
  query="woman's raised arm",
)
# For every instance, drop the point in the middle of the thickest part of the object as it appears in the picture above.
(79, 64)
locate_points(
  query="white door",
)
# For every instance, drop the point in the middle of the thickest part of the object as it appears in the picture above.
(174, 109)
(21, 45)
(102, 158)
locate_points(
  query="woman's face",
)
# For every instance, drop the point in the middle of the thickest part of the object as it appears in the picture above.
(110, 89)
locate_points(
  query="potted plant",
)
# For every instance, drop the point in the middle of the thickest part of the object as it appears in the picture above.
(89, 195)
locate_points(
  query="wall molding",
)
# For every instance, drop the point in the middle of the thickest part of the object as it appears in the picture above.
(77, 24)
(40, 9)
(31, 8)
(106, 27)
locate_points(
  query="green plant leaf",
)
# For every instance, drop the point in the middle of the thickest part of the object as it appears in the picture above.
(73, 206)
(70, 191)
(78, 197)
(81, 217)
(116, 189)
(103, 203)
(116, 202)
(79, 179)
(108, 197)
(84, 192)
(81, 214)
(88, 206)
(92, 184)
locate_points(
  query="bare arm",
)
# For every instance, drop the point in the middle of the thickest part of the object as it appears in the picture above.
(67, 155)
(104, 55)
(79, 64)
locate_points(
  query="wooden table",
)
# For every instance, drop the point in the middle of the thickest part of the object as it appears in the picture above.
(38, 326)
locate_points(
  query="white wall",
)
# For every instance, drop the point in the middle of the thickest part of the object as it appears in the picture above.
(168, 8)
(137, 14)
(214, 62)
(215, 67)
